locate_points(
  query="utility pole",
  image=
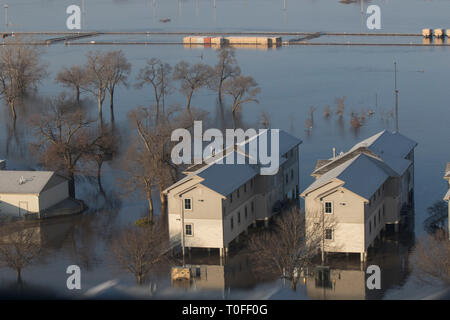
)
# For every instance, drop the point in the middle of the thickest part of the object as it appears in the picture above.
(83, 14)
(6, 17)
(396, 97)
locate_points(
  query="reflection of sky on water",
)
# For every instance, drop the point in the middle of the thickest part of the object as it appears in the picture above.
(291, 78)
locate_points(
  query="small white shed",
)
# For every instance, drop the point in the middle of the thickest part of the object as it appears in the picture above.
(30, 192)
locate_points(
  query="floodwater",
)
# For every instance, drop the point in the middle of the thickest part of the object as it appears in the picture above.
(292, 80)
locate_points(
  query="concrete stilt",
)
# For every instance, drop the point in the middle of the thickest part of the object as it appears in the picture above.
(266, 222)
(254, 223)
(221, 252)
(226, 252)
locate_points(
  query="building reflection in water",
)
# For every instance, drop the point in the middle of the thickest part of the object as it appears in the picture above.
(211, 273)
(343, 278)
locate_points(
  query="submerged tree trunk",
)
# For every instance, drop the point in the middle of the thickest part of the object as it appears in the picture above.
(12, 106)
(188, 105)
(163, 200)
(72, 185)
(77, 89)
(19, 275)
(294, 283)
(99, 177)
(111, 105)
(100, 111)
(150, 205)
(220, 91)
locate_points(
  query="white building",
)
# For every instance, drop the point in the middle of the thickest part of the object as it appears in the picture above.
(30, 193)
(362, 190)
(217, 202)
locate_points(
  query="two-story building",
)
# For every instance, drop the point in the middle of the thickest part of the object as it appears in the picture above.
(216, 202)
(362, 190)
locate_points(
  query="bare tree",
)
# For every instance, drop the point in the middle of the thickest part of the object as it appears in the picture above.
(102, 149)
(139, 249)
(63, 137)
(264, 120)
(97, 79)
(243, 90)
(285, 250)
(158, 75)
(73, 77)
(20, 71)
(340, 103)
(118, 70)
(438, 217)
(431, 258)
(225, 68)
(318, 227)
(148, 159)
(192, 78)
(19, 247)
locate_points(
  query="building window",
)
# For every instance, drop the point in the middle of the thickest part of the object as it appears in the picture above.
(239, 217)
(328, 207)
(328, 234)
(251, 183)
(232, 223)
(370, 227)
(245, 212)
(253, 207)
(189, 230)
(383, 211)
(231, 197)
(379, 215)
(287, 178)
(375, 222)
(292, 153)
(187, 204)
(292, 174)
(238, 192)
(245, 187)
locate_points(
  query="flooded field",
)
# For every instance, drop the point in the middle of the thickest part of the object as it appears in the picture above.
(298, 83)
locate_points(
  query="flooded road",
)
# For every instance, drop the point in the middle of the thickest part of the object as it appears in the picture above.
(292, 80)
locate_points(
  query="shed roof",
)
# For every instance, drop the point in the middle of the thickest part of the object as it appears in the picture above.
(28, 182)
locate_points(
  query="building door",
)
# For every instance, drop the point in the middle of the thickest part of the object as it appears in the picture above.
(23, 208)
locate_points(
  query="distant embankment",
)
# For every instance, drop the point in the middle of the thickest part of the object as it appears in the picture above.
(215, 33)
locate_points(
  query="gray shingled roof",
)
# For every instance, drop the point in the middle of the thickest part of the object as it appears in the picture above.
(389, 143)
(225, 178)
(391, 147)
(363, 175)
(28, 182)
